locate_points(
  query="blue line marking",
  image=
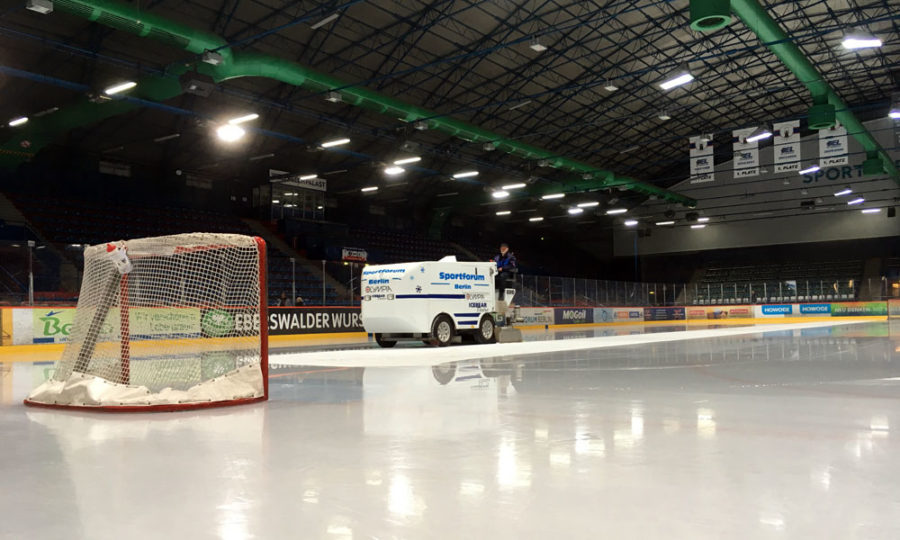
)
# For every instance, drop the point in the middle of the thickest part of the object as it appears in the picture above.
(437, 283)
(465, 314)
(471, 323)
(482, 284)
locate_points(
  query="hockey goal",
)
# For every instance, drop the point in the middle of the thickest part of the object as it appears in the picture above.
(166, 323)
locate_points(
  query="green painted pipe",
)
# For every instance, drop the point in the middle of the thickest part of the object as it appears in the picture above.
(758, 20)
(245, 64)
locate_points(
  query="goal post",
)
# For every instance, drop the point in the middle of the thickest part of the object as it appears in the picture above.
(166, 323)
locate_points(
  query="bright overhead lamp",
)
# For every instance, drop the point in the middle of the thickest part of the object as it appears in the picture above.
(465, 174)
(121, 87)
(702, 219)
(500, 194)
(810, 170)
(664, 116)
(853, 42)
(575, 211)
(845, 191)
(408, 160)
(394, 171)
(513, 186)
(369, 189)
(336, 142)
(858, 200)
(245, 118)
(677, 78)
(631, 223)
(325, 21)
(230, 132)
(333, 97)
(614, 211)
(553, 196)
(871, 210)
(504, 213)
(535, 219)
(588, 204)
(894, 112)
(40, 6)
(700, 226)
(275, 201)
(665, 223)
(488, 147)
(537, 46)
(308, 176)
(609, 87)
(759, 134)
(18, 121)
(212, 58)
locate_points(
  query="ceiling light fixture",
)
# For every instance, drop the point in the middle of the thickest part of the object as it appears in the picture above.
(661, 223)
(325, 21)
(369, 189)
(518, 105)
(212, 58)
(408, 160)
(575, 211)
(552, 196)
(18, 121)
(167, 138)
(678, 78)
(860, 40)
(40, 6)
(871, 210)
(500, 194)
(588, 204)
(245, 118)
(700, 226)
(488, 147)
(394, 171)
(664, 116)
(537, 46)
(702, 219)
(513, 186)
(609, 87)
(894, 111)
(858, 200)
(121, 87)
(631, 223)
(336, 142)
(504, 213)
(536, 219)
(810, 170)
(614, 211)
(230, 133)
(759, 134)
(334, 97)
(308, 176)
(845, 191)
(465, 174)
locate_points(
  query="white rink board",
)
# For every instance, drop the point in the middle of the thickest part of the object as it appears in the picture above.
(429, 356)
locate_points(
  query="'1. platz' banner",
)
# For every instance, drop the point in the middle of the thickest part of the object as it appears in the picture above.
(833, 145)
(746, 154)
(702, 166)
(787, 146)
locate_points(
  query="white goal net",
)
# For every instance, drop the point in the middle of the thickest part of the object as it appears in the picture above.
(166, 323)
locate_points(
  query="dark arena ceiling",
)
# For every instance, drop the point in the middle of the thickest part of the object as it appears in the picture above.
(566, 91)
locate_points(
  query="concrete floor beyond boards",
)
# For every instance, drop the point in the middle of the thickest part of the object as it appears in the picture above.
(759, 432)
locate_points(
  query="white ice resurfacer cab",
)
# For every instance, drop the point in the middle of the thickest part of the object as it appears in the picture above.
(437, 302)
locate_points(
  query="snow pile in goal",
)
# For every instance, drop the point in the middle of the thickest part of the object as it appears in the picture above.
(166, 323)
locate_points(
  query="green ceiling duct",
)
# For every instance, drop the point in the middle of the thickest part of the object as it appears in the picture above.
(710, 15)
(245, 64)
(758, 20)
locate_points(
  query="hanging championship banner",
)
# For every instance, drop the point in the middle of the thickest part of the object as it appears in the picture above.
(833, 146)
(787, 146)
(702, 166)
(746, 155)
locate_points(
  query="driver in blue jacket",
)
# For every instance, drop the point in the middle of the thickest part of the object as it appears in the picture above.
(506, 268)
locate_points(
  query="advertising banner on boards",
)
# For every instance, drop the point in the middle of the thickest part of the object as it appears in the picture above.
(537, 315)
(574, 315)
(775, 310)
(857, 309)
(317, 320)
(609, 315)
(746, 154)
(719, 312)
(787, 146)
(664, 314)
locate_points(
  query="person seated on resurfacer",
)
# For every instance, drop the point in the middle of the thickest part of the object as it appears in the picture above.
(506, 270)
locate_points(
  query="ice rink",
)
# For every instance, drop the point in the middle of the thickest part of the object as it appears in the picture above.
(771, 431)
